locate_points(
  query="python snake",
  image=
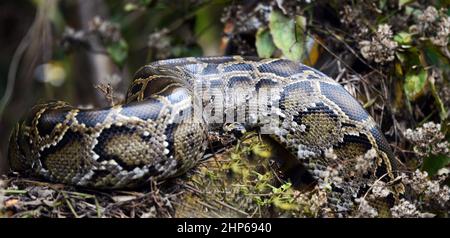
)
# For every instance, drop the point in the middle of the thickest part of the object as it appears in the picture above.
(161, 129)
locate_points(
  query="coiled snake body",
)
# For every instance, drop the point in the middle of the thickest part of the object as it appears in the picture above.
(161, 129)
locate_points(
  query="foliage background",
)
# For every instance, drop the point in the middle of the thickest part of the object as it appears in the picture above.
(392, 55)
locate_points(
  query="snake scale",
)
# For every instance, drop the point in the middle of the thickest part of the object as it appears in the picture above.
(161, 129)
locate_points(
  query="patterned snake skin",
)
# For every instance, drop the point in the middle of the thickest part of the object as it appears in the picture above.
(161, 130)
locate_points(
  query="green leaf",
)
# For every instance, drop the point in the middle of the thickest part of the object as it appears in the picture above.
(438, 101)
(261, 151)
(130, 7)
(434, 57)
(401, 57)
(286, 186)
(433, 164)
(401, 3)
(208, 29)
(404, 39)
(382, 4)
(414, 84)
(283, 205)
(288, 35)
(264, 43)
(118, 51)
